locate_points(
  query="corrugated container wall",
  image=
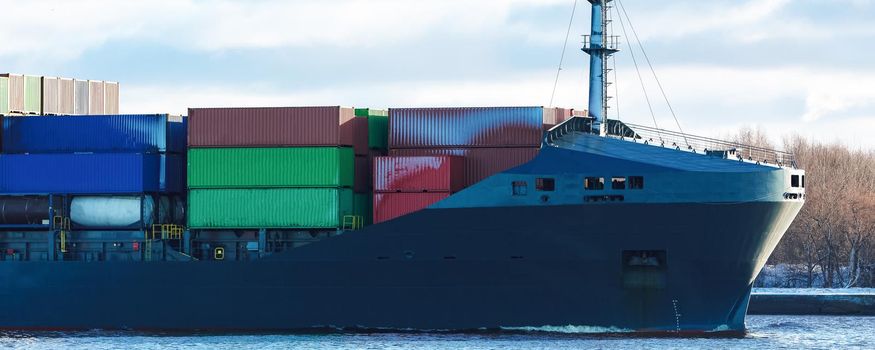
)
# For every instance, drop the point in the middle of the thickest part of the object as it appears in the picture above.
(15, 92)
(106, 133)
(80, 95)
(33, 93)
(281, 126)
(96, 98)
(269, 208)
(51, 96)
(480, 163)
(66, 96)
(465, 127)
(270, 167)
(388, 206)
(86, 173)
(4, 95)
(111, 96)
(419, 174)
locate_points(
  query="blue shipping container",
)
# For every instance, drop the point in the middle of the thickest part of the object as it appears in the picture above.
(140, 133)
(94, 173)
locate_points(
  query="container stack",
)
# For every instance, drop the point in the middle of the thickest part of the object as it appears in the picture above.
(273, 168)
(115, 172)
(378, 141)
(405, 184)
(39, 95)
(459, 146)
(492, 139)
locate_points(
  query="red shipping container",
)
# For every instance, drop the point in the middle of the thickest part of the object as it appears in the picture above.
(388, 206)
(465, 127)
(419, 174)
(480, 163)
(276, 126)
(363, 178)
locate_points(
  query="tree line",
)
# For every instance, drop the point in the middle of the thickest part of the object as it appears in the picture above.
(831, 244)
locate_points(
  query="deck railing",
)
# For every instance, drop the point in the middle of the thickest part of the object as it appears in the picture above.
(705, 145)
(673, 139)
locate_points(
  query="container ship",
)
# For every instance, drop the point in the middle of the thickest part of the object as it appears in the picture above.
(309, 218)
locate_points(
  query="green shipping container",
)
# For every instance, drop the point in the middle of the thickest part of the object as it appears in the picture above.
(300, 208)
(368, 112)
(378, 127)
(33, 94)
(364, 206)
(4, 95)
(271, 167)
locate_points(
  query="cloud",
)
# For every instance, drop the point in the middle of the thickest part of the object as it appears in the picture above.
(750, 21)
(710, 100)
(68, 28)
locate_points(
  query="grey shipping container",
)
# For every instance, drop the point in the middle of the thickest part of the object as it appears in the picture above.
(110, 98)
(80, 96)
(51, 95)
(95, 97)
(66, 96)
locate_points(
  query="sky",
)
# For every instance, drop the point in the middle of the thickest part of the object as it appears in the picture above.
(786, 67)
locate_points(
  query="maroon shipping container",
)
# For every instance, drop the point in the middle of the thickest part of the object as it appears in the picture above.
(388, 206)
(465, 127)
(419, 174)
(363, 176)
(555, 116)
(480, 163)
(276, 126)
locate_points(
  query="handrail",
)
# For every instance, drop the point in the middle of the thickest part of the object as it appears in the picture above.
(673, 139)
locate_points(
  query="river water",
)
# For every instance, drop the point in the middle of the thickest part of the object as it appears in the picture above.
(764, 332)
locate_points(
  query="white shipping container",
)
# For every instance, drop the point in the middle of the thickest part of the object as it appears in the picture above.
(96, 97)
(16, 92)
(111, 97)
(66, 96)
(50, 91)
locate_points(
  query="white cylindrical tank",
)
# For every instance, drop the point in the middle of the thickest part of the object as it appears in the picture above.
(112, 211)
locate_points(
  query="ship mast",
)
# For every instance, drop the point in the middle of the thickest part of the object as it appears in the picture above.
(600, 45)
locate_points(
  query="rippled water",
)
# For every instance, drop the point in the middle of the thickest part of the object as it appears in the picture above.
(764, 332)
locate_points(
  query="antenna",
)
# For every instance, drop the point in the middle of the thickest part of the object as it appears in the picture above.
(600, 45)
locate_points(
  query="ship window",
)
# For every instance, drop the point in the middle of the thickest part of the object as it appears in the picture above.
(618, 183)
(594, 183)
(794, 181)
(636, 182)
(545, 184)
(520, 188)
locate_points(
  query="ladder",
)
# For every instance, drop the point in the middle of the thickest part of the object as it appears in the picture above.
(352, 222)
(61, 224)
